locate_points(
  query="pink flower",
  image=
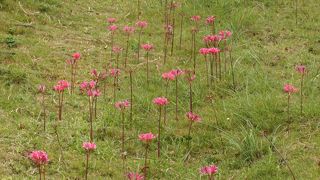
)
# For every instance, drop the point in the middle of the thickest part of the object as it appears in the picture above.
(214, 50)
(209, 170)
(288, 88)
(216, 38)
(195, 18)
(98, 75)
(39, 157)
(142, 24)
(210, 19)
(147, 137)
(111, 20)
(114, 72)
(116, 49)
(122, 104)
(89, 146)
(301, 69)
(76, 56)
(92, 84)
(134, 176)
(87, 85)
(61, 85)
(212, 38)
(193, 117)
(168, 76)
(225, 34)
(204, 51)
(161, 101)
(94, 93)
(84, 85)
(147, 47)
(128, 29)
(176, 72)
(97, 93)
(228, 33)
(112, 28)
(41, 88)
(206, 39)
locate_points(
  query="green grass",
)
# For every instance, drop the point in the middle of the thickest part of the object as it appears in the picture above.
(38, 36)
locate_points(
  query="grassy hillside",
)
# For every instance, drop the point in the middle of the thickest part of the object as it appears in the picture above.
(37, 36)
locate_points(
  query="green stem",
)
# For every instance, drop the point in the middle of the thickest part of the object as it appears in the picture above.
(194, 53)
(146, 161)
(114, 89)
(44, 112)
(40, 173)
(131, 96)
(301, 95)
(87, 164)
(181, 27)
(138, 9)
(159, 131)
(177, 98)
(207, 69)
(165, 107)
(190, 95)
(112, 42)
(91, 118)
(44, 172)
(139, 40)
(220, 66)
(173, 30)
(122, 133)
(289, 95)
(127, 50)
(147, 68)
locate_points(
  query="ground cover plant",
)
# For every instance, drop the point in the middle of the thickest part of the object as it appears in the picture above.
(159, 89)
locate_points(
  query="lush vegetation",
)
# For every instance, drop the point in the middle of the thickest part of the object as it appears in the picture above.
(244, 130)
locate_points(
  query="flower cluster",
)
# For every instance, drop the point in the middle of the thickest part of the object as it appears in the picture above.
(61, 85)
(301, 69)
(209, 170)
(210, 19)
(98, 75)
(195, 18)
(39, 157)
(89, 146)
(135, 176)
(90, 87)
(122, 104)
(114, 72)
(289, 88)
(147, 137)
(128, 29)
(161, 101)
(142, 24)
(225, 34)
(116, 49)
(147, 47)
(75, 57)
(112, 27)
(168, 76)
(193, 117)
